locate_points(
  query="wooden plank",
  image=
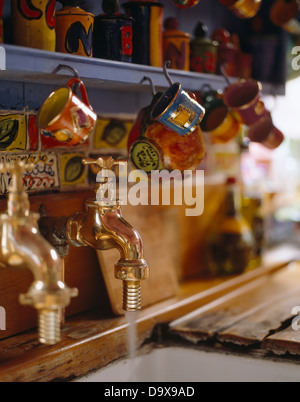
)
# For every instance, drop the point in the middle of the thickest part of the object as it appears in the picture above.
(256, 327)
(282, 342)
(223, 313)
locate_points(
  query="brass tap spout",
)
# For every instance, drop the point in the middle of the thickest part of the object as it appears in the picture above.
(22, 246)
(103, 227)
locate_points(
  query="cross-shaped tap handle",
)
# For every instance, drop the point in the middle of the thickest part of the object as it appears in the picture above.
(17, 169)
(104, 162)
(18, 202)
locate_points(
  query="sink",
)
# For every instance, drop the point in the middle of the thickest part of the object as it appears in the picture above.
(180, 364)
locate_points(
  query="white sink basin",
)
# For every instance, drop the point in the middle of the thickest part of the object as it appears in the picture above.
(178, 364)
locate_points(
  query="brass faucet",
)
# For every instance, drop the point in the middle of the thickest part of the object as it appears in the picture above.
(22, 246)
(103, 227)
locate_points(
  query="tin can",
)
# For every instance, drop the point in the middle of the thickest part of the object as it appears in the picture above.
(203, 51)
(147, 32)
(226, 55)
(176, 45)
(74, 31)
(113, 37)
(34, 23)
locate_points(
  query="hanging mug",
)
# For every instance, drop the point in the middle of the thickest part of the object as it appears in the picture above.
(218, 121)
(154, 146)
(244, 98)
(178, 110)
(243, 8)
(266, 133)
(69, 119)
(185, 3)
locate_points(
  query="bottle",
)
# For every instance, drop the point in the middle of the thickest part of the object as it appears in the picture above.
(252, 211)
(232, 245)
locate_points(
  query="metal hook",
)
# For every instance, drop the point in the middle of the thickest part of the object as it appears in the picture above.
(151, 84)
(225, 75)
(167, 65)
(73, 70)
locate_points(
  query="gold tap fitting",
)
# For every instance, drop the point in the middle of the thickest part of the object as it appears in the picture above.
(18, 202)
(131, 268)
(132, 274)
(23, 246)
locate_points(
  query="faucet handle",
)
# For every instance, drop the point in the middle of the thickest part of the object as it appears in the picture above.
(18, 201)
(104, 162)
(17, 169)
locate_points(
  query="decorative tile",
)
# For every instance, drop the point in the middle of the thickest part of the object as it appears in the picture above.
(13, 132)
(44, 176)
(33, 133)
(72, 171)
(112, 133)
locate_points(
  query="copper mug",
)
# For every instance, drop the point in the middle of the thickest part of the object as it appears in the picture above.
(218, 121)
(244, 98)
(266, 133)
(243, 8)
(68, 118)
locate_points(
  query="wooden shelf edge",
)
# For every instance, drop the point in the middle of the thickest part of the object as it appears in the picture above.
(36, 65)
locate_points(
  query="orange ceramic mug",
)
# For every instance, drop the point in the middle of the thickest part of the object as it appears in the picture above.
(69, 119)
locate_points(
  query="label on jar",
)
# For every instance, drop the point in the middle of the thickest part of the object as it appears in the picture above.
(146, 156)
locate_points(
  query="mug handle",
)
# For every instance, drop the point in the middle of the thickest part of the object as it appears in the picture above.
(83, 91)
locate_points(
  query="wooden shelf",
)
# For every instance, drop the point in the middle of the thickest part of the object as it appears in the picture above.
(33, 65)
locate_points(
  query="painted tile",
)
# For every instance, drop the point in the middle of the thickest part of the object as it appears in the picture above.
(112, 133)
(13, 132)
(44, 176)
(33, 133)
(72, 171)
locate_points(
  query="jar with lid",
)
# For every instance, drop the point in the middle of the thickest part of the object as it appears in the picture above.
(176, 45)
(74, 29)
(34, 24)
(203, 51)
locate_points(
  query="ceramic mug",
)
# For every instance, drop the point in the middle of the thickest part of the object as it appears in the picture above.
(185, 3)
(178, 110)
(266, 133)
(245, 100)
(69, 119)
(218, 121)
(243, 8)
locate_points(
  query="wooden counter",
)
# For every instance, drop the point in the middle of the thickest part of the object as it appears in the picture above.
(91, 340)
